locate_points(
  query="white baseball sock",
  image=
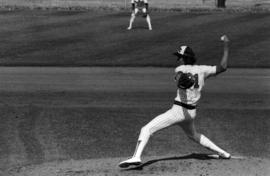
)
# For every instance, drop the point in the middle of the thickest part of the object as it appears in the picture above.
(131, 21)
(149, 22)
(207, 143)
(142, 141)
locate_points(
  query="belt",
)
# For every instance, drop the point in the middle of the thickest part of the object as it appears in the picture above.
(187, 106)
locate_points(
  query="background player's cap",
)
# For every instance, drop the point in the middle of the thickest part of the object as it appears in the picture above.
(184, 51)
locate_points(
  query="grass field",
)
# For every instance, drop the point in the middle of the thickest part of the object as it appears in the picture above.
(116, 4)
(100, 38)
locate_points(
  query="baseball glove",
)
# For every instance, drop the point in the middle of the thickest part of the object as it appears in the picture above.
(184, 80)
(144, 15)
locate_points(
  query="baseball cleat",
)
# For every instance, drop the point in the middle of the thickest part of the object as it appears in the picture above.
(130, 162)
(129, 28)
(224, 156)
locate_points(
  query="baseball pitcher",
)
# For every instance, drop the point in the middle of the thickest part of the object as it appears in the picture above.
(139, 6)
(190, 79)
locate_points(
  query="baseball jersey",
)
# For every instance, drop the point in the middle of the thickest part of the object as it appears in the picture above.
(139, 3)
(200, 73)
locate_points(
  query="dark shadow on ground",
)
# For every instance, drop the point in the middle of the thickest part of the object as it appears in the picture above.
(139, 28)
(199, 156)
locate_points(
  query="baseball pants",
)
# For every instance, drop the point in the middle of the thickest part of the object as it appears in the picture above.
(176, 115)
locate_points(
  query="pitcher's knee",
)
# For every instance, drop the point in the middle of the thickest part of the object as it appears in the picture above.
(145, 132)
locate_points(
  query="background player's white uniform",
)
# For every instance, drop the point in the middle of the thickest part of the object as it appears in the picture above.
(137, 6)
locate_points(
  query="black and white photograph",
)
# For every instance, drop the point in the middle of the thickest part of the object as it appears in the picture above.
(134, 88)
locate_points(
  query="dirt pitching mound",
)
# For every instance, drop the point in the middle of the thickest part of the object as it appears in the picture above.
(188, 165)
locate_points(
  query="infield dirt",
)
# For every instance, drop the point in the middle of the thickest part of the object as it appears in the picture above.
(83, 121)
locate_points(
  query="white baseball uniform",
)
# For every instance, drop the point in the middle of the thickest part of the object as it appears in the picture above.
(139, 5)
(180, 115)
(189, 96)
(192, 95)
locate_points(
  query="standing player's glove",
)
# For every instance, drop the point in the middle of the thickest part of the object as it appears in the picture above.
(184, 80)
(144, 15)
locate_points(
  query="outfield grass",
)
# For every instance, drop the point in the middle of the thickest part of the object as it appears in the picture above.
(172, 4)
(91, 38)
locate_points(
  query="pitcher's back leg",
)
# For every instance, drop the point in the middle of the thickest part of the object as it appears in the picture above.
(190, 130)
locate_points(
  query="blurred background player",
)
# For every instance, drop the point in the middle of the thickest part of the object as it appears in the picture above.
(139, 6)
(190, 80)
